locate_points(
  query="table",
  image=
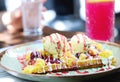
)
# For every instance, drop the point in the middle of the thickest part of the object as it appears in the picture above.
(19, 38)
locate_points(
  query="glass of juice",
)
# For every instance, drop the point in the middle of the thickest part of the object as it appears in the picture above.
(100, 19)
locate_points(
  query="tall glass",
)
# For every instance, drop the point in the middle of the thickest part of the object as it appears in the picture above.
(100, 19)
(31, 12)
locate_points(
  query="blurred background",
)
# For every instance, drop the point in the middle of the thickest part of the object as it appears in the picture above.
(64, 15)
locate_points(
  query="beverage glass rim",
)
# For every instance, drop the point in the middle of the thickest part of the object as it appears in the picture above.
(98, 1)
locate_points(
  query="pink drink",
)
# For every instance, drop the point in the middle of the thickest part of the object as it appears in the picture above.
(100, 19)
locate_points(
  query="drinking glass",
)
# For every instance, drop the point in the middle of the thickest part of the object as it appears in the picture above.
(31, 12)
(100, 19)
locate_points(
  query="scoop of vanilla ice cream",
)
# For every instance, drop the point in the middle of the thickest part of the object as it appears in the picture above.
(55, 44)
(79, 43)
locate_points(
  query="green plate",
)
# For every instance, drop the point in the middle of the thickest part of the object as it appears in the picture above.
(10, 63)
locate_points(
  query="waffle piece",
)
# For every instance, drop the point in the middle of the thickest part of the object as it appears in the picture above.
(43, 64)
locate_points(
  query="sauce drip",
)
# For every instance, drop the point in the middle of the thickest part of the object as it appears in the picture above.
(78, 38)
(84, 38)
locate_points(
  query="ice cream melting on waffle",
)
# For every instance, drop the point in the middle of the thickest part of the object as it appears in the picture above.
(60, 54)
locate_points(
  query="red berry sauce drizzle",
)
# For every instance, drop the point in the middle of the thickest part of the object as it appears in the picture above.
(47, 59)
(52, 60)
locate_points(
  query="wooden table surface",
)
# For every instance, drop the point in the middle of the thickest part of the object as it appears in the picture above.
(7, 40)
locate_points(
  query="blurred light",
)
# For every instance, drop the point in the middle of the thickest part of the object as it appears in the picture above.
(6, 18)
(49, 15)
(11, 6)
(115, 32)
(6, 79)
(117, 6)
(59, 25)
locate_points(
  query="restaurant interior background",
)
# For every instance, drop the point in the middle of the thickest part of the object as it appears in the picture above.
(69, 15)
(63, 14)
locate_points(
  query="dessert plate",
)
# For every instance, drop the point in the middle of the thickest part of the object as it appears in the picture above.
(10, 63)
